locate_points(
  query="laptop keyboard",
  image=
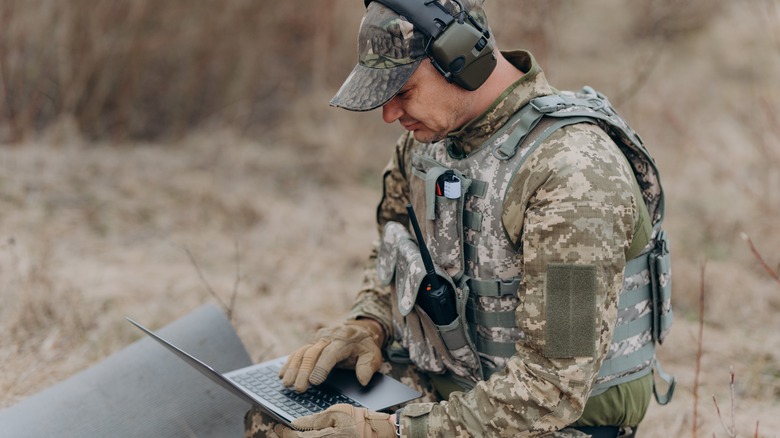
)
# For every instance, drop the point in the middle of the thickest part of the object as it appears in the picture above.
(266, 383)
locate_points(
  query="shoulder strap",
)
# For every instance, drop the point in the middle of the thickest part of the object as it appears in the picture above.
(590, 104)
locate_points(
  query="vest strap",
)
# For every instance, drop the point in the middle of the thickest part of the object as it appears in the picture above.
(484, 318)
(521, 124)
(470, 252)
(494, 288)
(494, 348)
(556, 102)
(633, 297)
(670, 381)
(478, 188)
(552, 128)
(637, 265)
(633, 328)
(453, 339)
(600, 388)
(616, 365)
(472, 220)
(430, 191)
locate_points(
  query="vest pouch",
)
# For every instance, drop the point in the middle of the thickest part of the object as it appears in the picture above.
(449, 344)
(661, 283)
(440, 193)
(466, 362)
(399, 259)
(432, 348)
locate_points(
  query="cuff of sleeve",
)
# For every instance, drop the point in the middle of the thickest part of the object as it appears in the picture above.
(413, 420)
(356, 315)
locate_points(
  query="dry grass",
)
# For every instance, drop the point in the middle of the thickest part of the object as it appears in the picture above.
(142, 69)
(92, 231)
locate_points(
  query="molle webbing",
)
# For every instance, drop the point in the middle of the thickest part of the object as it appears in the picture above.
(473, 220)
(488, 319)
(641, 322)
(493, 288)
(618, 365)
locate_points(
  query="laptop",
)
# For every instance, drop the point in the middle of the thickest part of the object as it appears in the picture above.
(260, 386)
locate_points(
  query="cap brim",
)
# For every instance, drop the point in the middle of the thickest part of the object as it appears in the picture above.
(369, 88)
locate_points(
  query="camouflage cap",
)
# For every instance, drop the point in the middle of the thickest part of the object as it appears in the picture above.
(389, 51)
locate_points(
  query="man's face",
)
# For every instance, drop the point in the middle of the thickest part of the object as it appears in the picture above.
(429, 106)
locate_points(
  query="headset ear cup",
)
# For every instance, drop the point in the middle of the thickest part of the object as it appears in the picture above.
(477, 72)
(464, 55)
(459, 48)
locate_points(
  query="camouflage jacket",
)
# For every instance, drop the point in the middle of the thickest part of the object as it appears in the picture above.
(570, 204)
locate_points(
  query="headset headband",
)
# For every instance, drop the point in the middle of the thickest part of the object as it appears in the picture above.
(431, 19)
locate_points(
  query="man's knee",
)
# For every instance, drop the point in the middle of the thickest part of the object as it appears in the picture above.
(257, 424)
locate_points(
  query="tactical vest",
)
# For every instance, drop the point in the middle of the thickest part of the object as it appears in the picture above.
(461, 201)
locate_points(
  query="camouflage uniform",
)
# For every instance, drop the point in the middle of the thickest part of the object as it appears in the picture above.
(568, 212)
(570, 204)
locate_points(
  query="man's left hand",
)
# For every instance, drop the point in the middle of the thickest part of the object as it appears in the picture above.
(340, 420)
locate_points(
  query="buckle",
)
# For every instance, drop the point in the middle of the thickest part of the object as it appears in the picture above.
(509, 287)
(550, 104)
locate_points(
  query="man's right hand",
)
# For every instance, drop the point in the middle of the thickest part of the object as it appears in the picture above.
(355, 344)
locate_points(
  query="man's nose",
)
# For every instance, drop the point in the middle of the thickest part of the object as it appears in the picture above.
(391, 111)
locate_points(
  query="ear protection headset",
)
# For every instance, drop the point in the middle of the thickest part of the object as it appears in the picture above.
(459, 48)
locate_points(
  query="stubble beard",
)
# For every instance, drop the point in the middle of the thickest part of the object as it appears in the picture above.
(460, 105)
(430, 137)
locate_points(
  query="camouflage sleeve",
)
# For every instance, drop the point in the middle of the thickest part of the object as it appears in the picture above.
(571, 210)
(395, 184)
(373, 300)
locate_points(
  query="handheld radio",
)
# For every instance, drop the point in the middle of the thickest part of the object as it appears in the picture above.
(435, 296)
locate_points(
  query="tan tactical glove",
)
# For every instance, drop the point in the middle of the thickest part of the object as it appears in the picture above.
(356, 345)
(340, 420)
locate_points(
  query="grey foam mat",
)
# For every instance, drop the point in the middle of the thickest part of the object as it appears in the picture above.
(144, 390)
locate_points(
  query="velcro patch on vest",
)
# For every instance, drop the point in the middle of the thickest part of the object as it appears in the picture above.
(571, 311)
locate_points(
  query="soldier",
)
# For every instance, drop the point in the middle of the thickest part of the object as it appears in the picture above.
(536, 205)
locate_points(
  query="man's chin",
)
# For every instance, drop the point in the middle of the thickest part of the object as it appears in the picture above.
(427, 136)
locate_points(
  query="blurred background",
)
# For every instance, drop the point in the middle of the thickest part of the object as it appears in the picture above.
(156, 156)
